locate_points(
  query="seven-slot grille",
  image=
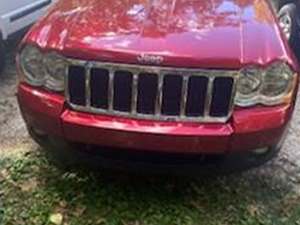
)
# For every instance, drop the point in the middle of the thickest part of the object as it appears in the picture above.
(151, 92)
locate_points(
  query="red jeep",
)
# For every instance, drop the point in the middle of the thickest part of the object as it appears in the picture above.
(163, 83)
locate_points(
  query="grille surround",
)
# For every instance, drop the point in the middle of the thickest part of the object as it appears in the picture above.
(161, 72)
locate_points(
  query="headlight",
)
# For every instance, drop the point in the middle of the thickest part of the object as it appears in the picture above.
(248, 85)
(40, 69)
(268, 87)
(277, 80)
(31, 61)
(55, 68)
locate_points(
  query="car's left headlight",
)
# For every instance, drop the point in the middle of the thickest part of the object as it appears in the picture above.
(270, 86)
(277, 80)
(42, 69)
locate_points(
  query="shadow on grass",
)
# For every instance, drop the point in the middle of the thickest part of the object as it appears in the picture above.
(103, 197)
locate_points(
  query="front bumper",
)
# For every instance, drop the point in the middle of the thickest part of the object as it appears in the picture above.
(73, 156)
(248, 129)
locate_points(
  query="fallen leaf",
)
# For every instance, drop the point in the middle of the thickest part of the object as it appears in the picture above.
(56, 218)
(29, 185)
(253, 210)
(79, 211)
(3, 175)
(63, 204)
(100, 221)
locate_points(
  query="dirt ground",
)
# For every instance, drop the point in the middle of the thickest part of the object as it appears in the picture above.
(12, 128)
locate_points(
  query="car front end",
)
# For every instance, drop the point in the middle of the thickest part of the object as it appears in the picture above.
(190, 80)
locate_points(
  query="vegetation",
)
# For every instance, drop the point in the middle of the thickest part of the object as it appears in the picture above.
(34, 192)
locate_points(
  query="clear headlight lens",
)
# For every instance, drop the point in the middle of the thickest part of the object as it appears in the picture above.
(40, 69)
(56, 68)
(277, 80)
(268, 87)
(31, 61)
(248, 86)
(249, 81)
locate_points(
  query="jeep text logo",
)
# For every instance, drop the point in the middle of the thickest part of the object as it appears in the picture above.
(150, 59)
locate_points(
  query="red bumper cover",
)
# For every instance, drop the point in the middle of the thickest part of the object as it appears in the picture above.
(248, 129)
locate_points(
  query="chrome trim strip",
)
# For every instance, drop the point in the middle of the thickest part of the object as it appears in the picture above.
(161, 72)
(233, 93)
(184, 95)
(159, 97)
(208, 99)
(134, 97)
(149, 117)
(155, 69)
(88, 86)
(111, 90)
(67, 91)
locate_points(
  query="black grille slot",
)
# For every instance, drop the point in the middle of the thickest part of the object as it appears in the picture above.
(172, 91)
(76, 84)
(122, 91)
(221, 97)
(99, 88)
(147, 92)
(197, 89)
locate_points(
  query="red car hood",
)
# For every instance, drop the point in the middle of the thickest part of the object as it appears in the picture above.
(186, 33)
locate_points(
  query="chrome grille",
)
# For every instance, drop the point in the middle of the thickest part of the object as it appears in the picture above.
(147, 92)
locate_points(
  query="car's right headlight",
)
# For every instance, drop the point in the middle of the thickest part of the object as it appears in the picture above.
(31, 62)
(43, 69)
(269, 86)
(56, 70)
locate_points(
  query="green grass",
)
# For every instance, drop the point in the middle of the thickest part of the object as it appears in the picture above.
(31, 190)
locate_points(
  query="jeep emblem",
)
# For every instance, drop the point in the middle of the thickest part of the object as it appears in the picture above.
(150, 59)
